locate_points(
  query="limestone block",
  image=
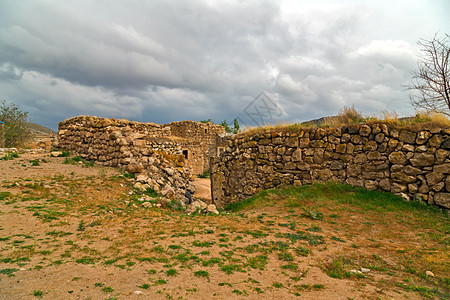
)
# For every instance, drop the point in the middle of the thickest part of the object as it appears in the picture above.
(318, 156)
(441, 155)
(304, 142)
(371, 185)
(442, 199)
(324, 175)
(356, 139)
(385, 184)
(354, 170)
(350, 148)
(379, 138)
(211, 209)
(375, 155)
(398, 188)
(365, 130)
(360, 158)
(277, 141)
(134, 168)
(334, 140)
(422, 159)
(122, 141)
(407, 136)
(401, 177)
(413, 188)
(398, 157)
(443, 168)
(345, 138)
(355, 181)
(435, 141)
(370, 146)
(346, 158)
(297, 155)
(438, 187)
(342, 148)
(291, 142)
(337, 165)
(446, 143)
(392, 144)
(422, 137)
(410, 170)
(376, 129)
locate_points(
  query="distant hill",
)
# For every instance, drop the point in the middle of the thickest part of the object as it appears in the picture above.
(37, 129)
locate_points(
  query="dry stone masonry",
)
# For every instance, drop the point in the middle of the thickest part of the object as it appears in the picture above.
(164, 157)
(412, 163)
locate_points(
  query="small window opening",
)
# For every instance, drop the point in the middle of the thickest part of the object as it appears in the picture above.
(206, 130)
(186, 154)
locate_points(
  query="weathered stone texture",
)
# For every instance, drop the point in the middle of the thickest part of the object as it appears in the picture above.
(412, 164)
(168, 155)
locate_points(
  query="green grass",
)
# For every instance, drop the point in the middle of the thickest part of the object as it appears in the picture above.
(312, 239)
(78, 160)
(296, 196)
(171, 272)
(201, 273)
(38, 293)
(8, 271)
(337, 267)
(4, 195)
(107, 289)
(144, 286)
(9, 156)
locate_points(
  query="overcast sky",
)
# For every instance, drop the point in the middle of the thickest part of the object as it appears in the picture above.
(163, 61)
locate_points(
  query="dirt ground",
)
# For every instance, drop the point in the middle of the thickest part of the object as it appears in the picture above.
(203, 189)
(74, 231)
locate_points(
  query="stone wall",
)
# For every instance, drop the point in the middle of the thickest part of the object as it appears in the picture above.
(200, 141)
(412, 163)
(165, 157)
(121, 142)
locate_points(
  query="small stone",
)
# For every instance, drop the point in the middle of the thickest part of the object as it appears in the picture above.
(56, 153)
(429, 273)
(365, 270)
(212, 209)
(138, 293)
(147, 205)
(135, 168)
(142, 178)
(169, 171)
(405, 197)
(139, 186)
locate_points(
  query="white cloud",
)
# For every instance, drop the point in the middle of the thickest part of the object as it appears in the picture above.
(162, 61)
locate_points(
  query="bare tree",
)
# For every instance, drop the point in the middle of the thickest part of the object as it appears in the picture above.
(430, 84)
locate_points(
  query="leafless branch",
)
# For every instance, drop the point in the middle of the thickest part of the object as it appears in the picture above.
(430, 84)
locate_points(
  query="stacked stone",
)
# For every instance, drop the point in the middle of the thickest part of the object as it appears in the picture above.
(411, 163)
(137, 147)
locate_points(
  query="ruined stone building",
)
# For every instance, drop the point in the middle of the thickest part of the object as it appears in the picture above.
(121, 142)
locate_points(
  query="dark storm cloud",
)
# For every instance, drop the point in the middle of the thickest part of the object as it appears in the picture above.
(170, 60)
